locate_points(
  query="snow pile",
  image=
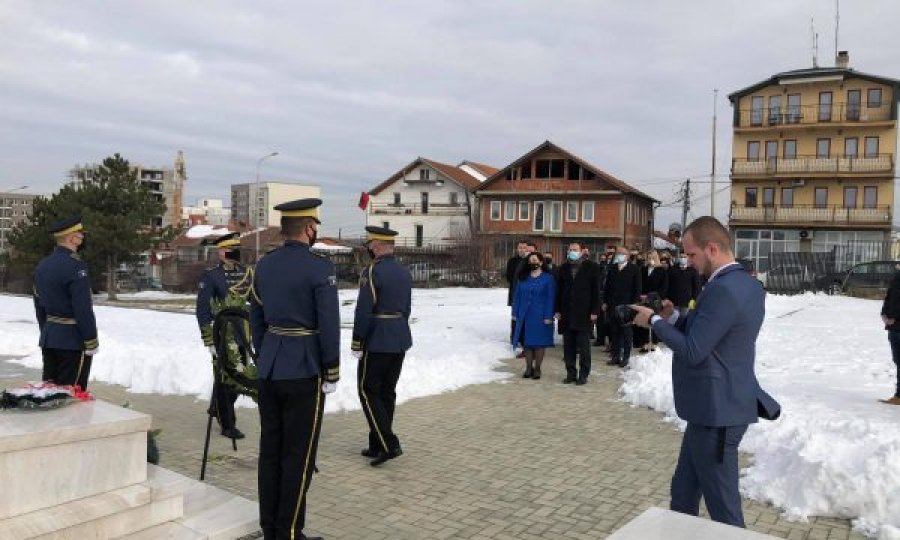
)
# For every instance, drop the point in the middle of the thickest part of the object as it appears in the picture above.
(202, 231)
(152, 295)
(458, 338)
(835, 451)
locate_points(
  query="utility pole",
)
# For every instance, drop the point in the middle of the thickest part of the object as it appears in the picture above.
(685, 204)
(712, 176)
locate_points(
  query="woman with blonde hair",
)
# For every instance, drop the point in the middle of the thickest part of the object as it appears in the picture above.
(655, 279)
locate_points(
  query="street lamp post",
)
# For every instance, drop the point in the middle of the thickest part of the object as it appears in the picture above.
(257, 206)
(2, 228)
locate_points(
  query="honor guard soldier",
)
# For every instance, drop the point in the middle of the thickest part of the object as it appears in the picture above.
(225, 284)
(296, 329)
(381, 338)
(62, 303)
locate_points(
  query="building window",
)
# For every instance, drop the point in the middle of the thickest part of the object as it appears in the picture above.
(821, 197)
(823, 148)
(787, 197)
(790, 149)
(870, 197)
(769, 196)
(420, 235)
(825, 106)
(771, 151)
(526, 170)
(574, 171)
(509, 210)
(854, 99)
(542, 168)
(495, 210)
(753, 151)
(396, 199)
(851, 147)
(557, 168)
(756, 110)
(873, 98)
(538, 223)
(386, 224)
(774, 110)
(556, 216)
(424, 174)
(571, 211)
(587, 211)
(524, 211)
(750, 197)
(793, 109)
(871, 147)
(850, 196)
(454, 198)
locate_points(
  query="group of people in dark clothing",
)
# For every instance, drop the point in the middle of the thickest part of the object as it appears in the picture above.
(581, 295)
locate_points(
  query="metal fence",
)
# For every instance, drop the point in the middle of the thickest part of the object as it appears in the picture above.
(824, 270)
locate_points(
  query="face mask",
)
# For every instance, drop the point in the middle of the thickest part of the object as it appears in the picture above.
(619, 259)
(534, 266)
(683, 261)
(574, 255)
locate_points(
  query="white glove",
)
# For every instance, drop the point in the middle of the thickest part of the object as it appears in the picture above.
(329, 387)
(211, 349)
(91, 352)
(356, 354)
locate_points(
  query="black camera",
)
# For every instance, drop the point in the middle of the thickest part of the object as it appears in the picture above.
(625, 314)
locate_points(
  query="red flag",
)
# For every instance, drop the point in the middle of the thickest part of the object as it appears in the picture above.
(363, 200)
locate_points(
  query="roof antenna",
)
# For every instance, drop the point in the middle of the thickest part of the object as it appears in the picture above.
(815, 42)
(837, 25)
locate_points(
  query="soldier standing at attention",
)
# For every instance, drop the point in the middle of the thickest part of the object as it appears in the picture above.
(296, 329)
(381, 338)
(65, 314)
(227, 281)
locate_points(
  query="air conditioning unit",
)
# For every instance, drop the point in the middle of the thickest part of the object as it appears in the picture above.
(798, 183)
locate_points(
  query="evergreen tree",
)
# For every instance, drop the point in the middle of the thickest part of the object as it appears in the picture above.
(117, 210)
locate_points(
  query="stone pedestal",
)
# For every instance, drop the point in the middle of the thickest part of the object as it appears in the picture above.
(80, 472)
(660, 524)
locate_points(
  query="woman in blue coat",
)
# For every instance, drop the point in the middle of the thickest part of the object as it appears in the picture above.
(532, 311)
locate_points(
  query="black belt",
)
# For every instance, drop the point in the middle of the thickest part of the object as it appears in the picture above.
(388, 315)
(292, 331)
(61, 320)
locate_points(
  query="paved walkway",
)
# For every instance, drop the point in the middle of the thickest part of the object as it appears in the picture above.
(516, 459)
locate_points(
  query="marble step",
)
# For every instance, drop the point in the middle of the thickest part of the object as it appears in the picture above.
(210, 513)
(48, 458)
(660, 524)
(118, 512)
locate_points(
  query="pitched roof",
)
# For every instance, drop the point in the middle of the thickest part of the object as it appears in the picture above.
(547, 145)
(486, 170)
(453, 173)
(845, 73)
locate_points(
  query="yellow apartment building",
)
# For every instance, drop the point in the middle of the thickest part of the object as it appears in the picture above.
(813, 161)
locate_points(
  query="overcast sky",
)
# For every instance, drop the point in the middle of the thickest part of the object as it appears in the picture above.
(349, 92)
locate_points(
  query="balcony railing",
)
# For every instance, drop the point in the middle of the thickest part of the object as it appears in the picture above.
(813, 164)
(438, 209)
(813, 114)
(834, 215)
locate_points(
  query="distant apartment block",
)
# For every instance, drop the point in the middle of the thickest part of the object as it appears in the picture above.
(253, 207)
(206, 212)
(813, 161)
(15, 208)
(166, 185)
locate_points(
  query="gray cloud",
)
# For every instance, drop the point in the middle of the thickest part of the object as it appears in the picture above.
(348, 92)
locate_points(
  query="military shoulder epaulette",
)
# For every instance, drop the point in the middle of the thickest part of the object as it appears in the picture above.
(320, 255)
(75, 256)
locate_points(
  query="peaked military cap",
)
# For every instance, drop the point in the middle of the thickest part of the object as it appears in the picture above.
(380, 233)
(66, 226)
(301, 208)
(227, 241)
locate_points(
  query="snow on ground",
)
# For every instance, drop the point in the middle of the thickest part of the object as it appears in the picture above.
(457, 341)
(150, 295)
(836, 450)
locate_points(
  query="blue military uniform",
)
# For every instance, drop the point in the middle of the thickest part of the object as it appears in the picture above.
(62, 304)
(227, 279)
(296, 330)
(381, 334)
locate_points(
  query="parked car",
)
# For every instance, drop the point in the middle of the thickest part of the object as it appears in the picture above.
(789, 278)
(871, 278)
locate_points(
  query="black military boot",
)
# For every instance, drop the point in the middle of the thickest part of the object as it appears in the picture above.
(369, 452)
(385, 456)
(232, 433)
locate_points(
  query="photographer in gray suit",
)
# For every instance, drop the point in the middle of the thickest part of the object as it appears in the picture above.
(713, 378)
